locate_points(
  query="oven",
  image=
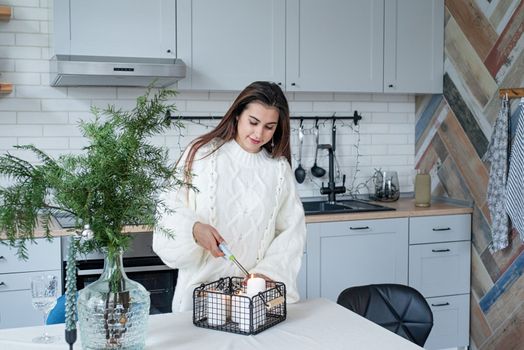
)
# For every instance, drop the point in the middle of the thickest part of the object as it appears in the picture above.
(141, 264)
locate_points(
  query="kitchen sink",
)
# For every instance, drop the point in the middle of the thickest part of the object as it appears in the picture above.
(342, 206)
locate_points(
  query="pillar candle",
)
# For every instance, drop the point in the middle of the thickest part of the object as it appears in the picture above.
(255, 285)
(240, 311)
(217, 306)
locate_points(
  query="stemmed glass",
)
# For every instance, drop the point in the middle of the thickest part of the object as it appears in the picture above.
(43, 293)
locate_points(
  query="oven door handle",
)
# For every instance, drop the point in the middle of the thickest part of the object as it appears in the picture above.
(81, 272)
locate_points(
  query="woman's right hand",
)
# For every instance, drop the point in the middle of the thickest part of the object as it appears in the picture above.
(208, 238)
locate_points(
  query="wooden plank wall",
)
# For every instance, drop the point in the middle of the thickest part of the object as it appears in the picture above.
(484, 51)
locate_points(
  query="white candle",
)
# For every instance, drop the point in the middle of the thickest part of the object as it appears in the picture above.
(255, 285)
(217, 308)
(240, 311)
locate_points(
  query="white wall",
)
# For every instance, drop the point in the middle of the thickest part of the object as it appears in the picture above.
(46, 116)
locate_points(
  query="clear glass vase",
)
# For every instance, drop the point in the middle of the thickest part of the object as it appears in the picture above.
(113, 311)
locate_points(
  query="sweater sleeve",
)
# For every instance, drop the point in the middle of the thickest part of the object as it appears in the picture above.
(283, 257)
(180, 250)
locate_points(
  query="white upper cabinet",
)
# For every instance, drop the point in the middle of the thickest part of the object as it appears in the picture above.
(334, 45)
(228, 44)
(121, 28)
(310, 45)
(414, 46)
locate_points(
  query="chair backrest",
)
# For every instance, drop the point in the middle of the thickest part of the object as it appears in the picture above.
(401, 309)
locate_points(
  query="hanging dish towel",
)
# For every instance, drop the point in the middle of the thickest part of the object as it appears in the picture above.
(515, 185)
(497, 155)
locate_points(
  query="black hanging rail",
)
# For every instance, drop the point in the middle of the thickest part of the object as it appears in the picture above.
(356, 117)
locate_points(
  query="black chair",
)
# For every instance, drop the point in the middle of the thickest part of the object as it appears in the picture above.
(401, 309)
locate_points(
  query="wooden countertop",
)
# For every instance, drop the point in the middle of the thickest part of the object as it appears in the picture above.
(405, 207)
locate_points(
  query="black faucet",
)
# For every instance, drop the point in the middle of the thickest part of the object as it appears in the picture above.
(331, 190)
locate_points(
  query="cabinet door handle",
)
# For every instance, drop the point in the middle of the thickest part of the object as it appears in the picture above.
(440, 250)
(442, 229)
(2, 283)
(359, 228)
(441, 304)
(2, 257)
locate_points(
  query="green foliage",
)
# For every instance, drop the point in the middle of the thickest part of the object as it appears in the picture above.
(114, 182)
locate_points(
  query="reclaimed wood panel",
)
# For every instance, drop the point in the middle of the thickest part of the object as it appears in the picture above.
(450, 178)
(465, 157)
(505, 43)
(471, 68)
(479, 327)
(509, 336)
(499, 13)
(490, 265)
(505, 258)
(481, 281)
(476, 27)
(481, 230)
(465, 117)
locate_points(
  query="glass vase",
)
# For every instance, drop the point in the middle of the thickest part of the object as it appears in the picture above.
(113, 311)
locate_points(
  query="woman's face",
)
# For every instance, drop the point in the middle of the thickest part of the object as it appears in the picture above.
(256, 126)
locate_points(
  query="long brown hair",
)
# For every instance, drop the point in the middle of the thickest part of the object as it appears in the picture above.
(263, 92)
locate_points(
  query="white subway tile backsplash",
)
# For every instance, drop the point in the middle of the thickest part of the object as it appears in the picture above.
(40, 91)
(42, 118)
(46, 143)
(401, 107)
(7, 117)
(48, 116)
(36, 66)
(7, 39)
(7, 65)
(19, 104)
(19, 52)
(17, 26)
(19, 79)
(105, 93)
(20, 130)
(30, 13)
(65, 105)
(41, 40)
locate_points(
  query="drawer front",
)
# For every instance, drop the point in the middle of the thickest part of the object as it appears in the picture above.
(440, 268)
(11, 282)
(450, 322)
(44, 255)
(444, 228)
(16, 309)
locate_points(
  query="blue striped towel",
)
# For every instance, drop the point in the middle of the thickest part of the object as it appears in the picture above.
(515, 182)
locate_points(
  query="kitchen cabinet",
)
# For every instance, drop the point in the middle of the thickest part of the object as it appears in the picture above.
(439, 268)
(413, 46)
(229, 44)
(15, 281)
(351, 253)
(118, 28)
(307, 45)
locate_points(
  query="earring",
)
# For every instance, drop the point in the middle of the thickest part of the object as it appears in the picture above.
(272, 143)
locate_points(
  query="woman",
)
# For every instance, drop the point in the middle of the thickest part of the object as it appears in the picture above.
(244, 194)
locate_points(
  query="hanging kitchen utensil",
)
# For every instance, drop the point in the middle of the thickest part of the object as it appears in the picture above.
(300, 173)
(316, 170)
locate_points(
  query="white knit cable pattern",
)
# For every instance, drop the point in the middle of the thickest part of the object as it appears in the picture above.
(212, 184)
(514, 185)
(266, 237)
(497, 155)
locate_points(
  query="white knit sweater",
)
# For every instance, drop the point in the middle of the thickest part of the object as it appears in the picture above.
(251, 199)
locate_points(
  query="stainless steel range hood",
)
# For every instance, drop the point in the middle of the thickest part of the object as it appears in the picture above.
(69, 70)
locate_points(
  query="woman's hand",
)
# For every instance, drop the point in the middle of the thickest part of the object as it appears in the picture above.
(208, 238)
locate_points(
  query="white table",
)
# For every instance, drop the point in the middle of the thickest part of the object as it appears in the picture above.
(312, 324)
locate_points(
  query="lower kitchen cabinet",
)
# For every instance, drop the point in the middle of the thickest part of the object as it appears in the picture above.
(351, 253)
(439, 268)
(15, 281)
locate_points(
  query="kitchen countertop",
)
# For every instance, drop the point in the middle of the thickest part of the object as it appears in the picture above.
(405, 207)
(311, 324)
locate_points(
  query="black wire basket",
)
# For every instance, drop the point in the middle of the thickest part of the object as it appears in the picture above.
(224, 306)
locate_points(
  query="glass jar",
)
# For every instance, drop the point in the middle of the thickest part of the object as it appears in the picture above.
(387, 188)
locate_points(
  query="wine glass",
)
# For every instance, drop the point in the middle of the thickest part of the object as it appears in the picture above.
(43, 293)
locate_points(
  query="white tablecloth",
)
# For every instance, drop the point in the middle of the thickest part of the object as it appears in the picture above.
(313, 324)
